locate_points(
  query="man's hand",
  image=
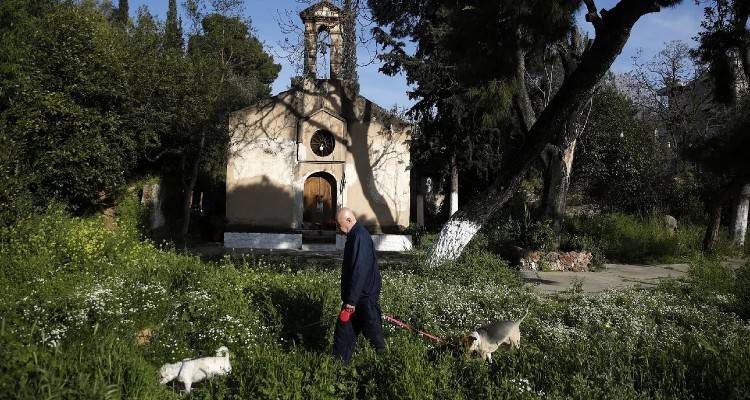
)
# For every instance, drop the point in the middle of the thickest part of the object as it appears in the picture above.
(346, 312)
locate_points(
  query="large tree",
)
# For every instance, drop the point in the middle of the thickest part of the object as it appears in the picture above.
(173, 29)
(470, 112)
(65, 127)
(725, 48)
(142, 106)
(122, 12)
(612, 30)
(227, 69)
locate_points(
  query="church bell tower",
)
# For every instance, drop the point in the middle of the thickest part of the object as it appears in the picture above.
(318, 18)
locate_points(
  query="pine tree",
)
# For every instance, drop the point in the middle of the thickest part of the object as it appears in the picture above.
(173, 33)
(122, 13)
(349, 62)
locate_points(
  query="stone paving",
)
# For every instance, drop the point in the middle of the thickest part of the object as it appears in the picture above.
(613, 276)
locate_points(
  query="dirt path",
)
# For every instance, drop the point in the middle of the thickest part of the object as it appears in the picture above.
(612, 277)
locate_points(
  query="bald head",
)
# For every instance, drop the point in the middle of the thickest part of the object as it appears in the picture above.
(345, 219)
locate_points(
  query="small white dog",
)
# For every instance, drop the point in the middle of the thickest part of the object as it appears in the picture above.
(489, 338)
(189, 370)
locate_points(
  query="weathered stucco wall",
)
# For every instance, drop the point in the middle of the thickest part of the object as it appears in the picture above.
(261, 166)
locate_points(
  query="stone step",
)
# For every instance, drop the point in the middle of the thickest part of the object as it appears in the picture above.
(319, 247)
(319, 236)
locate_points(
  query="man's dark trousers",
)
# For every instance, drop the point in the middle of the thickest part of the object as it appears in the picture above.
(367, 319)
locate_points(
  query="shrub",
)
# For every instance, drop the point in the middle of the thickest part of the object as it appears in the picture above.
(577, 242)
(474, 264)
(81, 368)
(709, 278)
(625, 238)
(742, 290)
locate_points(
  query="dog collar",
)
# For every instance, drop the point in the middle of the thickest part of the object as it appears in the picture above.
(182, 364)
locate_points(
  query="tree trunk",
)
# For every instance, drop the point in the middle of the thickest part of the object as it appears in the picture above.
(712, 230)
(559, 160)
(556, 184)
(187, 189)
(454, 186)
(739, 225)
(612, 32)
(522, 100)
(732, 188)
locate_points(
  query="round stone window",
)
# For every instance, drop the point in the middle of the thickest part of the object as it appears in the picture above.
(322, 143)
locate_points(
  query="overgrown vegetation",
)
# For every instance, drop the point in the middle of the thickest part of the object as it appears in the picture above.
(630, 239)
(610, 237)
(76, 295)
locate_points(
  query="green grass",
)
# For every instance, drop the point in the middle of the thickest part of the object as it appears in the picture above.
(77, 294)
(629, 239)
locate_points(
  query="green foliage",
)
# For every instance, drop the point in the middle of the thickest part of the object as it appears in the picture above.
(77, 294)
(617, 147)
(64, 125)
(464, 108)
(516, 226)
(173, 30)
(89, 102)
(477, 261)
(131, 215)
(685, 197)
(742, 290)
(723, 34)
(624, 238)
(122, 13)
(104, 368)
(710, 278)
(725, 156)
(632, 239)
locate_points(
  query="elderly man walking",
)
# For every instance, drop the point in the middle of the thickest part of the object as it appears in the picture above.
(360, 290)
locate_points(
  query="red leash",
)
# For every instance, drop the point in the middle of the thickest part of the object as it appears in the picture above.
(404, 325)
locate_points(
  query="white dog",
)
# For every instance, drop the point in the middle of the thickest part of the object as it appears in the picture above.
(489, 338)
(189, 371)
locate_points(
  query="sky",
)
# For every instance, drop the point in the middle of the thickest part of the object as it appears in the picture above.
(649, 35)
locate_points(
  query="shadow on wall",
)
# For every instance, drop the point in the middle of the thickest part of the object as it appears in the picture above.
(261, 206)
(364, 166)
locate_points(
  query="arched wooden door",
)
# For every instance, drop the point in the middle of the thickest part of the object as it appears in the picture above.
(320, 200)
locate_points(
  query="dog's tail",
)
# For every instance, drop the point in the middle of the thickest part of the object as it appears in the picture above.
(524, 316)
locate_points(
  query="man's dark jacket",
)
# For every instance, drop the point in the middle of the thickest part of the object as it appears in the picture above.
(360, 276)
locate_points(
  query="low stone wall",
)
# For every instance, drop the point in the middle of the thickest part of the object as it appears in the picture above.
(392, 242)
(293, 241)
(382, 242)
(248, 240)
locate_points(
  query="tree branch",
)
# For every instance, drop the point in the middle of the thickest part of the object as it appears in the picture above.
(741, 13)
(522, 99)
(593, 16)
(162, 154)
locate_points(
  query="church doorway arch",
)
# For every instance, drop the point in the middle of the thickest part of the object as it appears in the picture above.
(319, 201)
